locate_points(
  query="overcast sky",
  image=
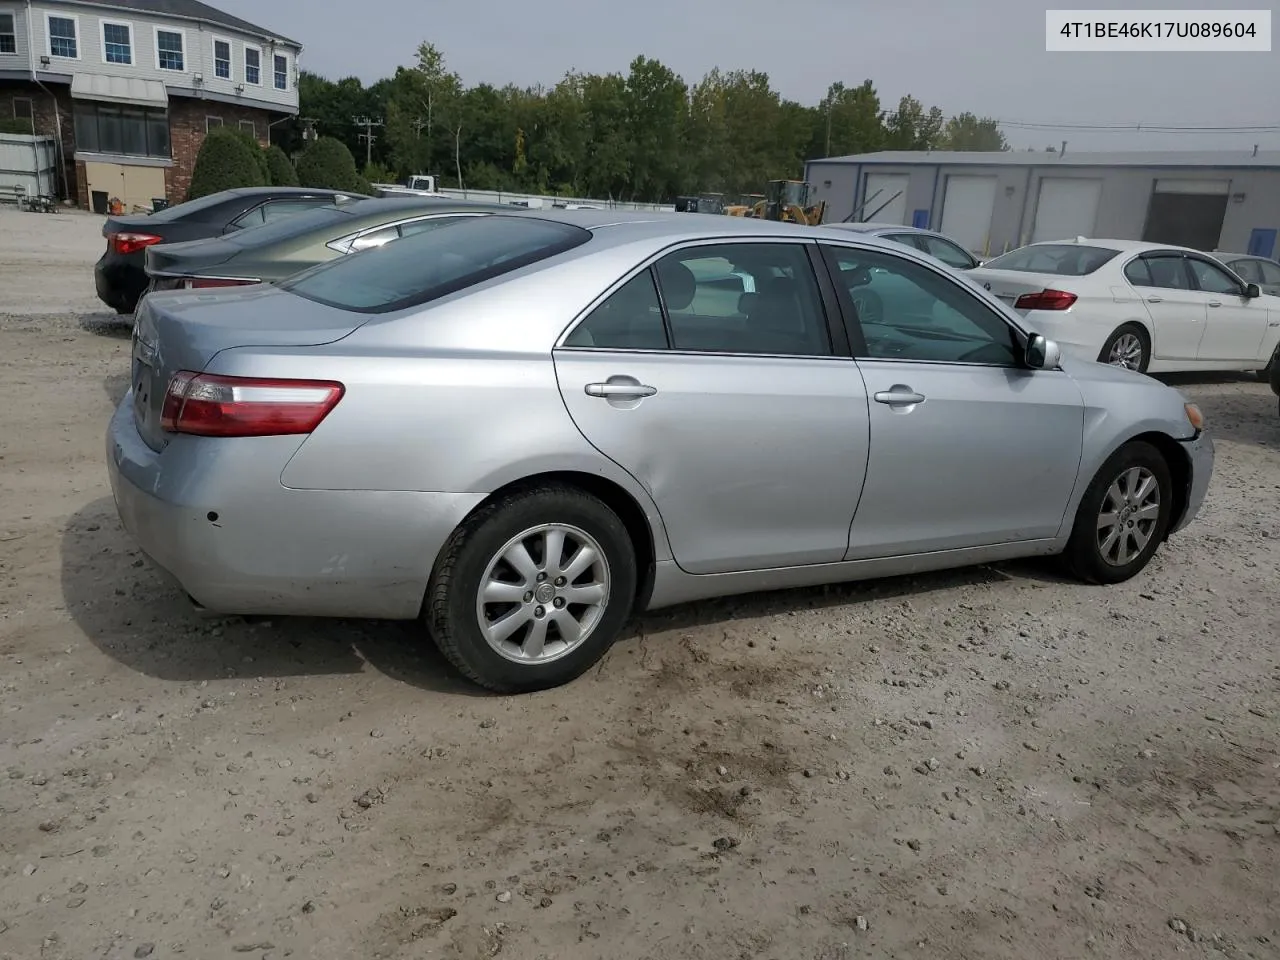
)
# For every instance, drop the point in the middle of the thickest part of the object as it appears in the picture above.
(986, 56)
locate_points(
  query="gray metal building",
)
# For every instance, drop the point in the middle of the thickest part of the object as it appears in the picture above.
(993, 202)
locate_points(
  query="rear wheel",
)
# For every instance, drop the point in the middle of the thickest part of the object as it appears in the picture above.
(533, 589)
(1123, 517)
(1128, 347)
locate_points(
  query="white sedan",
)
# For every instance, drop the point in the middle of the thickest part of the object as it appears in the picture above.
(1145, 306)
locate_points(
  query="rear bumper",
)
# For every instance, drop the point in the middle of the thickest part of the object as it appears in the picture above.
(214, 517)
(1200, 453)
(120, 281)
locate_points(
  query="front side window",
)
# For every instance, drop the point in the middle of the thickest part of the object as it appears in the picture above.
(630, 319)
(908, 312)
(1211, 278)
(222, 59)
(281, 72)
(1060, 259)
(431, 265)
(751, 298)
(8, 34)
(64, 38)
(253, 66)
(117, 43)
(170, 53)
(948, 253)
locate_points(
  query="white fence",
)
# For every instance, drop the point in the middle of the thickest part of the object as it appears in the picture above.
(30, 163)
(538, 201)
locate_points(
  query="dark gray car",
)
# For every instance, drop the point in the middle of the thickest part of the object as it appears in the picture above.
(273, 251)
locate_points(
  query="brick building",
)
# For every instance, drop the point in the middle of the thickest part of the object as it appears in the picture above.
(130, 88)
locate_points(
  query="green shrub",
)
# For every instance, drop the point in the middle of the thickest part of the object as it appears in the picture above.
(377, 173)
(328, 164)
(20, 127)
(225, 162)
(280, 167)
(259, 155)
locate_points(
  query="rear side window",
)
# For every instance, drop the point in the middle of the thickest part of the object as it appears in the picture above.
(1247, 270)
(286, 228)
(434, 264)
(1059, 259)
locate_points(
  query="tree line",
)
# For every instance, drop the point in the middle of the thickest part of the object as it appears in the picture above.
(646, 135)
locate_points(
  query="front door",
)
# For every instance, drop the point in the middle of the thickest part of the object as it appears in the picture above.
(1176, 308)
(726, 401)
(968, 446)
(1235, 325)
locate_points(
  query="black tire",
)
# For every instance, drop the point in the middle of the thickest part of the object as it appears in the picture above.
(451, 608)
(1121, 332)
(1084, 554)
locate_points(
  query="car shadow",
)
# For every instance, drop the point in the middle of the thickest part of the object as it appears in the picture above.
(139, 618)
(107, 324)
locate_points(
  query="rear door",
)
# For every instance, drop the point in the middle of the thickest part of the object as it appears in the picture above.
(1176, 308)
(1235, 325)
(740, 412)
(969, 447)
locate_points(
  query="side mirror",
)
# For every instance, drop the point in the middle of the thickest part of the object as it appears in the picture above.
(1042, 353)
(1252, 291)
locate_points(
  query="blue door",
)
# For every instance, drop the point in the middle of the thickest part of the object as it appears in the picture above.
(1262, 242)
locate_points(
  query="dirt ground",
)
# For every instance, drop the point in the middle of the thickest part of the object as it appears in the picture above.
(992, 763)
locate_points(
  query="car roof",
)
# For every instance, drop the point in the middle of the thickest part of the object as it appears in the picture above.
(619, 227)
(394, 206)
(1224, 255)
(877, 227)
(1120, 246)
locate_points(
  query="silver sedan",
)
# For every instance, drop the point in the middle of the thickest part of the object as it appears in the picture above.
(522, 429)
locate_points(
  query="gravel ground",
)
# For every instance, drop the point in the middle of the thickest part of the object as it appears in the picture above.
(992, 763)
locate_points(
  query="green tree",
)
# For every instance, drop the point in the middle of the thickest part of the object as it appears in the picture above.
(280, 168)
(968, 132)
(328, 164)
(911, 127)
(225, 162)
(849, 121)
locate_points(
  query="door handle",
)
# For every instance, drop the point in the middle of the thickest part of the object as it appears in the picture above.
(1215, 303)
(1155, 299)
(899, 397)
(619, 390)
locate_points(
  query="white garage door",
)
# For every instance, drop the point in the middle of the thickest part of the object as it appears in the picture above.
(1067, 208)
(885, 198)
(966, 211)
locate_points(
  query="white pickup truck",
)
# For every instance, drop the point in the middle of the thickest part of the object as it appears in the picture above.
(420, 185)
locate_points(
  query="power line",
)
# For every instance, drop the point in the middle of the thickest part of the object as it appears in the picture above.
(1102, 127)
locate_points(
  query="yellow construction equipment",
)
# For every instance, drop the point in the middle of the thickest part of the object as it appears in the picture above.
(783, 200)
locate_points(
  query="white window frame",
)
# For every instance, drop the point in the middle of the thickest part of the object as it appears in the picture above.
(244, 64)
(251, 128)
(48, 35)
(178, 31)
(31, 107)
(209, 125)
(231, 59)
(12, 12)
(133, 46)
(287, 71)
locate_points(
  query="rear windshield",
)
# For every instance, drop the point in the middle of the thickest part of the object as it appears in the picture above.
(286, 228)
(426, 266)
(1060, 259)
(190, 208)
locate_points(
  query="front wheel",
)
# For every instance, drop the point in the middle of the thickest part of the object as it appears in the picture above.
(533, 589)
(1123, 516)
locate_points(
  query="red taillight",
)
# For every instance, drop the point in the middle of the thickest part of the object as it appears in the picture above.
(1045, 300)
(204, 283)
(208, 405)
(131, 242)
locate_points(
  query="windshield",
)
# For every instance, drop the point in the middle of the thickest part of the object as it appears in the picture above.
(1060, 259)
(286, 228)
(426, 266)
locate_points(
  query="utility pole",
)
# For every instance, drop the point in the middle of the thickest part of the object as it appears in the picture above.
(368, 136)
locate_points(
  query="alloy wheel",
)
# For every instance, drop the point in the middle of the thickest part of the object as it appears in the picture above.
(1128, 516)
(1126, 352)
(543, 593)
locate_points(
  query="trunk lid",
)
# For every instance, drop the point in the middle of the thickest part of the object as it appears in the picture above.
(1009, 285)
(190, 257)
(180, 330)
